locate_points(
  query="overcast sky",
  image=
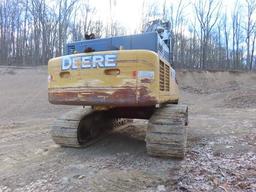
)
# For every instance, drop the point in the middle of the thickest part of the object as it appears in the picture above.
(129, 12)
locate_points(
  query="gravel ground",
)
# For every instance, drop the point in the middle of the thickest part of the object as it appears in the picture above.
(221, 141)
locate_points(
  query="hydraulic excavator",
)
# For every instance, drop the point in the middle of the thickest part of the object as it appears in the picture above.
(117, 78)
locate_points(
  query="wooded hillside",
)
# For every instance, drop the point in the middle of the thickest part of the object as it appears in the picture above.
(32, 31)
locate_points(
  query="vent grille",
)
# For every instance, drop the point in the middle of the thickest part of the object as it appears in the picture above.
(167, 78)
(164, 77)
(161, 76)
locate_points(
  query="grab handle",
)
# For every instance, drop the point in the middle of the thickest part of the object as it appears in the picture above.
(65, 74)
(112, 71)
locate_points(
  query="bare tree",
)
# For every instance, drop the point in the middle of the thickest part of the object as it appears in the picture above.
(250, 28)
(177, 21)
(150, 12)
(32, 31)
(226, 35)
(236, 35)
(65, 8)
(207, 13)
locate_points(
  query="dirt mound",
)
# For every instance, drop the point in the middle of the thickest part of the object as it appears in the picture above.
(4, 71)
(245, 99)
(205, 82)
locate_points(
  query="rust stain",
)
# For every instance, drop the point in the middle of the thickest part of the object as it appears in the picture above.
(144, 96)
(145, 80)
(124, 93)
(123, 96)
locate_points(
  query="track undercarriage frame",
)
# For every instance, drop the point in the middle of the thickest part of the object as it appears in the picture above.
(166, 134)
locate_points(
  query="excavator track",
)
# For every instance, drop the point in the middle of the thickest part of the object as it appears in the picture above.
(82, 127)
(167, 131)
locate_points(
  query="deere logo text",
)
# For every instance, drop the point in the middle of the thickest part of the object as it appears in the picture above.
(88, 62)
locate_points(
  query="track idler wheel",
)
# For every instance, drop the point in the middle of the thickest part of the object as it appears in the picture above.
(81, 127)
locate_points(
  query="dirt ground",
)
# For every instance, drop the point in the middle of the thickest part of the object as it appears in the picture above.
(221, 141)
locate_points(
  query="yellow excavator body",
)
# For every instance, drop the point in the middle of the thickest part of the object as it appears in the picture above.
(117, 85)
(122, 78)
